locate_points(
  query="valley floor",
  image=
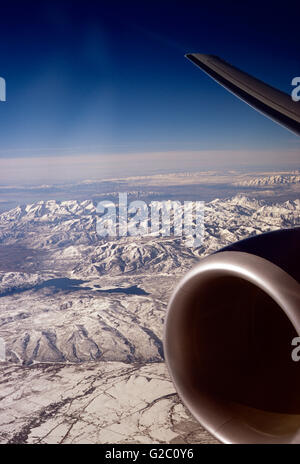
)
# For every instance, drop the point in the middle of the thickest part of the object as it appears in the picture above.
(106, 402)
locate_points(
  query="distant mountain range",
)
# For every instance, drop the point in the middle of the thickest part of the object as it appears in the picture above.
(270, 180)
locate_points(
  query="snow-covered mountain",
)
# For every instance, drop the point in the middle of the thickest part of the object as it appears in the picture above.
(49, 224)
(280, 179)
(96, 299)
(93, 310)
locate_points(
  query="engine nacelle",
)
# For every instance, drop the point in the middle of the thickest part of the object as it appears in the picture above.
(228, 340)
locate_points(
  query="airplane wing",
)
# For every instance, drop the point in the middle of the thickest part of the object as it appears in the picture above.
(271, 102)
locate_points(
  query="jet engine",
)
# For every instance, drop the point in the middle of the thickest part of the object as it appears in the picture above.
(228, 340)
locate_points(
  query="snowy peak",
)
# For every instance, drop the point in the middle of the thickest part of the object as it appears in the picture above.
(270, 180)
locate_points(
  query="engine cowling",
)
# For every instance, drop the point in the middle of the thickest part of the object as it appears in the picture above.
(228, 340)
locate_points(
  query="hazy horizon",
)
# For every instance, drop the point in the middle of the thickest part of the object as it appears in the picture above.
(70, 169)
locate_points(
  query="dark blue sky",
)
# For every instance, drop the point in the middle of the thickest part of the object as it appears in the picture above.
(95, 76)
